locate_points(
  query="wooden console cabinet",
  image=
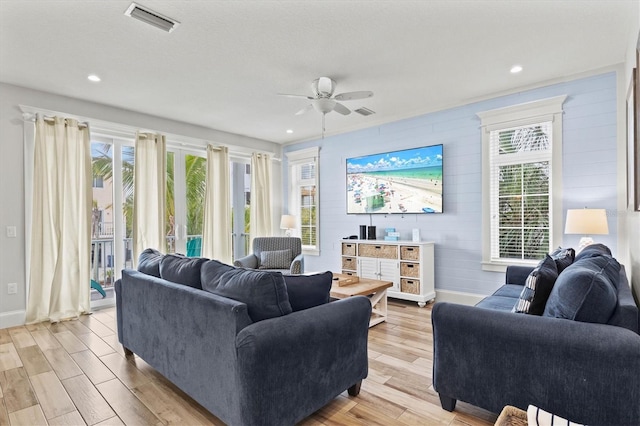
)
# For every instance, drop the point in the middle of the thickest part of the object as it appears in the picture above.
(408, 265)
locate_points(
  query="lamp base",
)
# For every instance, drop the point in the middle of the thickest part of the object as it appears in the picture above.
(288, 233)
(584, 241)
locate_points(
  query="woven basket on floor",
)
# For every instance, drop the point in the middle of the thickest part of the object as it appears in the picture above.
(512, 416)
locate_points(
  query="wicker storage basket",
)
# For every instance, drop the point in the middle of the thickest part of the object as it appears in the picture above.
(408, 269)
(409, 286)
(409, 253)
(349, 263)
(383, 251)
(348, 249)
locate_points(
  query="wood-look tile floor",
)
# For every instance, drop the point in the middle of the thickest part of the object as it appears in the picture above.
(76, 373)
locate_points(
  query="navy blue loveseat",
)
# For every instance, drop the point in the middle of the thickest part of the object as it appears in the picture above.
(587, 372)
(248, 346)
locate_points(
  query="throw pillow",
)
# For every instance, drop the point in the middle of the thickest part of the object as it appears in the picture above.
(264, 293)
(277, 259)
(537, 288)
(149, 262)
(585, 291)
(211, 272)
(563, 257)
(182, 270)
(307, 291)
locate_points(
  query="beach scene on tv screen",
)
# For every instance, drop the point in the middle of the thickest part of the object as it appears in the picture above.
(407, 181)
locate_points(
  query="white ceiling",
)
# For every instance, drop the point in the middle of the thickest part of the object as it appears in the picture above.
(225, 63)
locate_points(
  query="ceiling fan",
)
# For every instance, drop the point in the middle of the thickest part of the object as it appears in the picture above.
(323, 100)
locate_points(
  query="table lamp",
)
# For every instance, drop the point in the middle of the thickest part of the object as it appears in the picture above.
(288, 222)
(586, 222)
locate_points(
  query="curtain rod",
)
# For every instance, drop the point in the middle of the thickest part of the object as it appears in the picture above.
(107, 129)
(32, 117)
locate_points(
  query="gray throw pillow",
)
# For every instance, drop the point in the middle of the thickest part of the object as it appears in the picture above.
(586, 291)
(149, 262)
(182, 270)
(276, 259)
(537, 288)
(264, 293)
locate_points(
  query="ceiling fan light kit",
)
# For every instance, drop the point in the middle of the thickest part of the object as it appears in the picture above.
(324, 105)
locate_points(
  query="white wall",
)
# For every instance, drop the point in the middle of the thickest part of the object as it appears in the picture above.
(12, 213)
(590, 177)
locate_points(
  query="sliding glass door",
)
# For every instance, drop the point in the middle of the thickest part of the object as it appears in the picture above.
(111, 215)
(112, 212)
(186, 175)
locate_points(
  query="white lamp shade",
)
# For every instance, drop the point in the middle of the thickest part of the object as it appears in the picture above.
(287, 221)
(586, 222)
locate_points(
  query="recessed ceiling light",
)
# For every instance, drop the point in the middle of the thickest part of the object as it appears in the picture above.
(516, 69)
(94, 78)
(289, 131)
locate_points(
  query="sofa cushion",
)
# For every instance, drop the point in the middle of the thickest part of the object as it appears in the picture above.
(307, 291)
(182, 270)
(509, 290)
(211, 272)
(276, 259)
(563, 257)
(593, 250)
(585, 291)
(497, 303)
(537, 288)
(149, 262)
(264, 293)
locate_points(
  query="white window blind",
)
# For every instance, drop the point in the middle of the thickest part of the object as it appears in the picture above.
(521, 191)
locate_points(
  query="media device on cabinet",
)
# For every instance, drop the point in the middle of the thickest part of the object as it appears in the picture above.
(406, 181)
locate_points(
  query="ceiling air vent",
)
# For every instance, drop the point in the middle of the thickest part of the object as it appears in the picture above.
(364, 111)
(152, 18)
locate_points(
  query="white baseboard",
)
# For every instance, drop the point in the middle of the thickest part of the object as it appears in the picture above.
(12, 318)
(458, 297)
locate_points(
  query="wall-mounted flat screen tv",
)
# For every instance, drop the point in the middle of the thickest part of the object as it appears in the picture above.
(407, 181)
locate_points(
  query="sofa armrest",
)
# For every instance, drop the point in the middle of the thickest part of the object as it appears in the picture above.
(297, 266)
(249, 261)
(577, 370)
(517, 274)
(300, 361)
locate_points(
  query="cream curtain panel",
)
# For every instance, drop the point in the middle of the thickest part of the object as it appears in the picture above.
(261, 222)
(149, 193)
(60, 264)
(216, 232)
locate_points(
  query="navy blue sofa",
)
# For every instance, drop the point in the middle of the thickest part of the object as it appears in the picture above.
(247, 363)
(586, 372)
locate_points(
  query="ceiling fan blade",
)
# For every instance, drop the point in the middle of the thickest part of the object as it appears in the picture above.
(295, 96)
(305, 109)
(350, 96)
(341, 109)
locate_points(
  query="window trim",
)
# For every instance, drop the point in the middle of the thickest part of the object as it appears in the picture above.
(549, 109)
(296, 158)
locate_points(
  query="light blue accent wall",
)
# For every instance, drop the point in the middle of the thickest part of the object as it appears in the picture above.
(589, 178)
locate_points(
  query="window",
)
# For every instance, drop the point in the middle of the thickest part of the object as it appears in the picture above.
(303, 196)
(98, 182)
(521, 172)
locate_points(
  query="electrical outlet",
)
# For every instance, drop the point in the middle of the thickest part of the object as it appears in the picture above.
(12, 288)
(11, 232)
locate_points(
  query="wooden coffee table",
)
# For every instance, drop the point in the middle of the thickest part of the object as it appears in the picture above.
(375, 290)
